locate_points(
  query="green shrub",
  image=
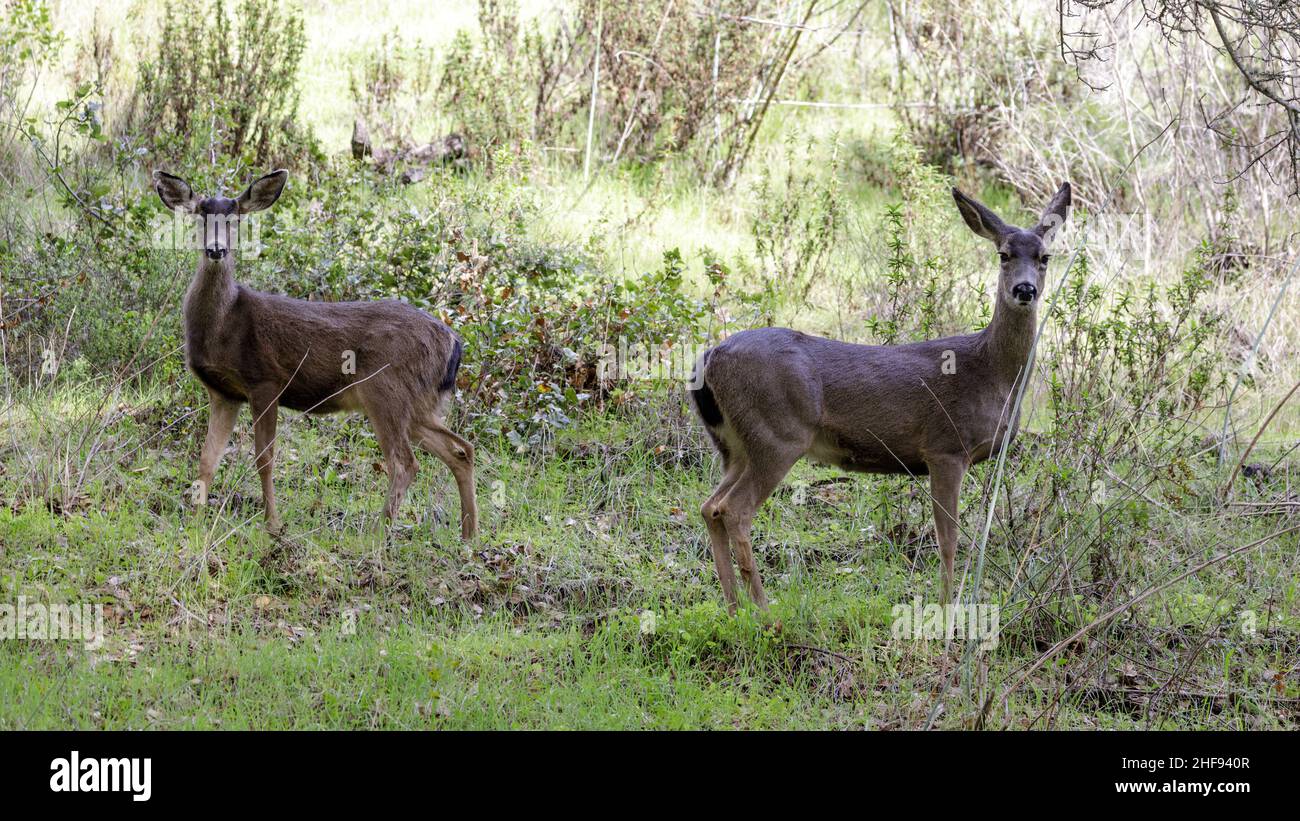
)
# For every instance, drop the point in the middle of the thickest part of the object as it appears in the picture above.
(223, 86)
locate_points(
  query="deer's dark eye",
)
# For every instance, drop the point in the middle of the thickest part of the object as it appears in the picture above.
(1005, 257)
(1044, 259)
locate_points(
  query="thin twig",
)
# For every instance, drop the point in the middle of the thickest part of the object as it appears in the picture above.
(595, 87)
(1228, 487)
(1141, 597)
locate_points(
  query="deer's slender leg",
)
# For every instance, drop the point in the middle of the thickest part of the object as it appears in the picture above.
(265, 416)
(458, 455)
(756, 483)
(718, 542)
(945, 492)
(393, 433)
(221, 421)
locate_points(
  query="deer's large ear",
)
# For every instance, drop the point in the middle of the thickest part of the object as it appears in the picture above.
(174, 192)
(263, 192)
(1054, 215)
(980, 219)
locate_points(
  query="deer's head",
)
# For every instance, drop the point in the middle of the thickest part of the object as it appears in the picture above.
(220, 215)
(1023, 252)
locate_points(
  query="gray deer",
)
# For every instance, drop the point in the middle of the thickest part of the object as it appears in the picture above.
(770, 396)
(389, 360)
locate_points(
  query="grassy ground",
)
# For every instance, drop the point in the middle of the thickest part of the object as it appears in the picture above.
(590, 600)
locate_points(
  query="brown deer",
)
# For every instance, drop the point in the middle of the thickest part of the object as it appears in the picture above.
(393, 362)
(770, 396)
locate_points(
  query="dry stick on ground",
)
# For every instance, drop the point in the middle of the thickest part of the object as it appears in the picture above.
(1228, 487)
(811, 649)
(1115, 611)
(1089, 667)
(1114, 505)
(1103, 656)
(1181, 676)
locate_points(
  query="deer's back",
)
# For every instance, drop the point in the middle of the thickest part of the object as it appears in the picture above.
(869, 408)
(315, 353)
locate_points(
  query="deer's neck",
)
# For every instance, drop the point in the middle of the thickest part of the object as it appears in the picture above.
(210, 295)
(1008, 339)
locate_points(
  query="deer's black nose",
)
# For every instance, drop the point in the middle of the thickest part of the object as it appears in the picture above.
(1024, 293)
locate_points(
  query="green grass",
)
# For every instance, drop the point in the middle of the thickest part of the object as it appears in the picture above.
(542, 623)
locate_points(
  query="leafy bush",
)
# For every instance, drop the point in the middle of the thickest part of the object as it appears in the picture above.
(917, 292)
(798, 218)
(391, 87)
(485, 86)
(228, 87)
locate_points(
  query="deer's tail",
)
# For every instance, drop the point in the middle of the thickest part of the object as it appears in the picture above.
(706, 405)
(448, 382)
